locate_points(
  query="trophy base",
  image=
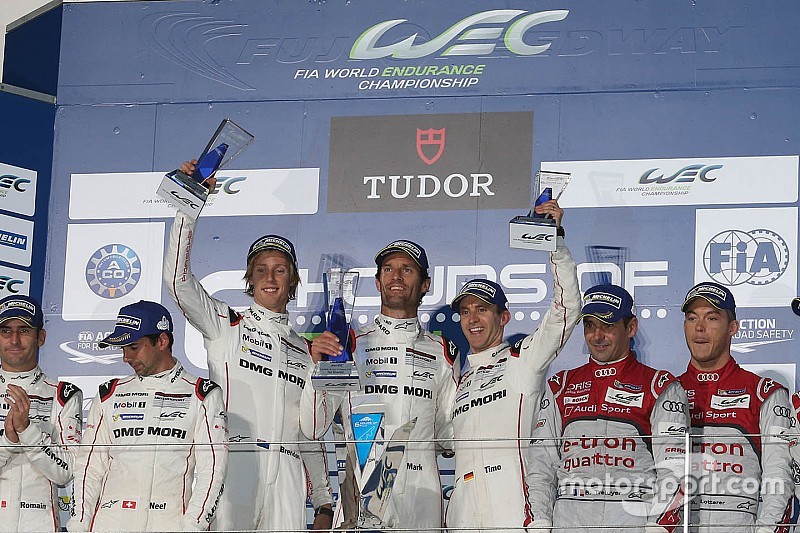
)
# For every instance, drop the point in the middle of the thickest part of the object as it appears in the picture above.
(532, 233)
(183, 192)
(329, 375)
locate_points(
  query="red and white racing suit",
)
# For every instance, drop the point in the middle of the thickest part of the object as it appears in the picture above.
(496, 404)
(740, 449)
(151, 465)
(262, 366)
(31, 468)
(592, 460)
(407, 373)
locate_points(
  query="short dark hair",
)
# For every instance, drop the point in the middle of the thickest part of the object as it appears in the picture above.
(155, 336)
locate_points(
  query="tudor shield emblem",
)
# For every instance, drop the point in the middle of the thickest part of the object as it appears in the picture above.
(430, 144)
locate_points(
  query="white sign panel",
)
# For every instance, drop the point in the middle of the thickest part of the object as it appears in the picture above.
(109, 266)
(751, 251)
(17, 189)
(13, 281)
(16, 240)
(701, 180)
(288, 191)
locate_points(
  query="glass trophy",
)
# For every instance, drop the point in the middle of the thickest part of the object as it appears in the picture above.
(534, 231)
(338, 372)
(188, 193)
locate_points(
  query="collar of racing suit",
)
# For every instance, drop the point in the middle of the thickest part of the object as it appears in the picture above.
(172, 374)
(486, 356)
(279, 320)
(29, 377)
(619, 366)
(406, 329)
(692, 372)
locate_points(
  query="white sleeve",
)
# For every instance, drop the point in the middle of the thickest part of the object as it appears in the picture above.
(209, 315)
(537, 351)
(211, 460)
(315, 461)
(776, 461)
(543, 458)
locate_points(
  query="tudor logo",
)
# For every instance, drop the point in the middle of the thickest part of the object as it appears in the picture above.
(605, 372)
(708, 376)
(430, 141)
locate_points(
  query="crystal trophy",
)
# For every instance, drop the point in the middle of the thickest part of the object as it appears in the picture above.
(534, 231)
(338, 372)
(188, 193)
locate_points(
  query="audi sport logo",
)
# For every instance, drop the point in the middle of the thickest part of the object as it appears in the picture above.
(708, 376)
(780, 410)
(673, 407)
(605, 372)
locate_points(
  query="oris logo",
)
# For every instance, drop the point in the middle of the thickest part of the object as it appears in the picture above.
(113, 271)
(508, 26)
(708, 376)
(685, 175)
(605, 372)
(735, 257)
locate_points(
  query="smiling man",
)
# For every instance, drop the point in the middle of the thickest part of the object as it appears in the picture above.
(158, 439)
(498, 394)
(407, 374)
(262, 364)
(739, 424)
(40, 418)
(625, 478)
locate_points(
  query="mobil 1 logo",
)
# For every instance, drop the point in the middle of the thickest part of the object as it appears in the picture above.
(430, 162)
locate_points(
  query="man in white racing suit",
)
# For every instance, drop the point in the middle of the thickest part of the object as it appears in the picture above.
(40, 418)
(262, 366)
(593, 461)
(498, 395)
(157, 440)
(407, 373)
(740, 425)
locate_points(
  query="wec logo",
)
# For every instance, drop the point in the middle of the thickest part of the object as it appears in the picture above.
(8, 181)
(686, 174)
(462, 38)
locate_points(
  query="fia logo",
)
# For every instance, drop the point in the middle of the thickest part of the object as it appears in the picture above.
(735, 257)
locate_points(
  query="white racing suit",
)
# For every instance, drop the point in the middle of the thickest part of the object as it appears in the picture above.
(407, 373)
(31, 468)
(157, 455)
(795, 451)
(593, 462)
(733, 465)
(262, 366)
(496, 404)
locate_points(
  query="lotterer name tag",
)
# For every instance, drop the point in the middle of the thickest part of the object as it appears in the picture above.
(730, 402)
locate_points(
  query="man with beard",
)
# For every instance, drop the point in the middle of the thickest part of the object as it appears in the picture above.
(407, 374)
(593, 460)
(40, 418)
(157, 440)
(262, 366)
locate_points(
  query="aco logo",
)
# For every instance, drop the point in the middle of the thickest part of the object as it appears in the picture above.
(735, 257)
(113, 271)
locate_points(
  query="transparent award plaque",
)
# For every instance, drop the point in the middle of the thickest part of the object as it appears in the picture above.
(338, 372)
(188, 193)
(534, 231)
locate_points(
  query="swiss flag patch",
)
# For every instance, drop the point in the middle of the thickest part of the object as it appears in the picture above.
(128, 504)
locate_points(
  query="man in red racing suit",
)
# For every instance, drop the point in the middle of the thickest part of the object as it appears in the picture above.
(740, 422)
(593, 460)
